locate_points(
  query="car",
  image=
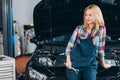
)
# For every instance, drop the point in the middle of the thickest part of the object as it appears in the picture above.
(54, 22)
(47, 63)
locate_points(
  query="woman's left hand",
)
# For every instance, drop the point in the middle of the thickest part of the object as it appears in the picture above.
(106, 65)
(103, 64)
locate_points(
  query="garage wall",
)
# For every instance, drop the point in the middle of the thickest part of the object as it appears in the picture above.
(23, 10)
(23, 14)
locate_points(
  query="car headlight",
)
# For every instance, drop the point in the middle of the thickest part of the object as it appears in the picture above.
(36, 75)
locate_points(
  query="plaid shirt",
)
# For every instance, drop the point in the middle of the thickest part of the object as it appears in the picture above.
(98, 40)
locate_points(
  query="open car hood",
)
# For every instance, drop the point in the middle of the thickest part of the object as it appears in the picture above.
(58, 17)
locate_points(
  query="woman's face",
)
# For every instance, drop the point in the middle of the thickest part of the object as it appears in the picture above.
(89, 18)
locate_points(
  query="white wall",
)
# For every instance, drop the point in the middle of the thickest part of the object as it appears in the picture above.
(23, 11)
(23, 14)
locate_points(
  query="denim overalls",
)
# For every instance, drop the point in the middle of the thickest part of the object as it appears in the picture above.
(83, 57)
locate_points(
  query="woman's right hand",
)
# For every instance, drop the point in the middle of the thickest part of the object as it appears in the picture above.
(68, 64)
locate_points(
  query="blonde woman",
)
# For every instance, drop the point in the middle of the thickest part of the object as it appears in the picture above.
(86, 43)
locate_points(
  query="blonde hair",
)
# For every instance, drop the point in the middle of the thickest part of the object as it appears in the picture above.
(98, 16)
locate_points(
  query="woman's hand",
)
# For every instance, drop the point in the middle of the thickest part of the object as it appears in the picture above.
(106, 65)
(68, 63)
(103, 64)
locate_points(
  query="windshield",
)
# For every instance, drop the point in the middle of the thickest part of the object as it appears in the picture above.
(66, 37)
(63, 38)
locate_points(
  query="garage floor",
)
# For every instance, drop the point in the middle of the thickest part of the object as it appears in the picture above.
(21, 62)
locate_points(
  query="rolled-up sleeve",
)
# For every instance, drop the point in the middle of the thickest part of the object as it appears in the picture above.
(71, 41)
(101, 46)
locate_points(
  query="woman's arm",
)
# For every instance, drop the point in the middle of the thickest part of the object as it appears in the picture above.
(70, 46)
(101, 48)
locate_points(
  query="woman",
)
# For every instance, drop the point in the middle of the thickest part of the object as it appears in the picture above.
(86, 43)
